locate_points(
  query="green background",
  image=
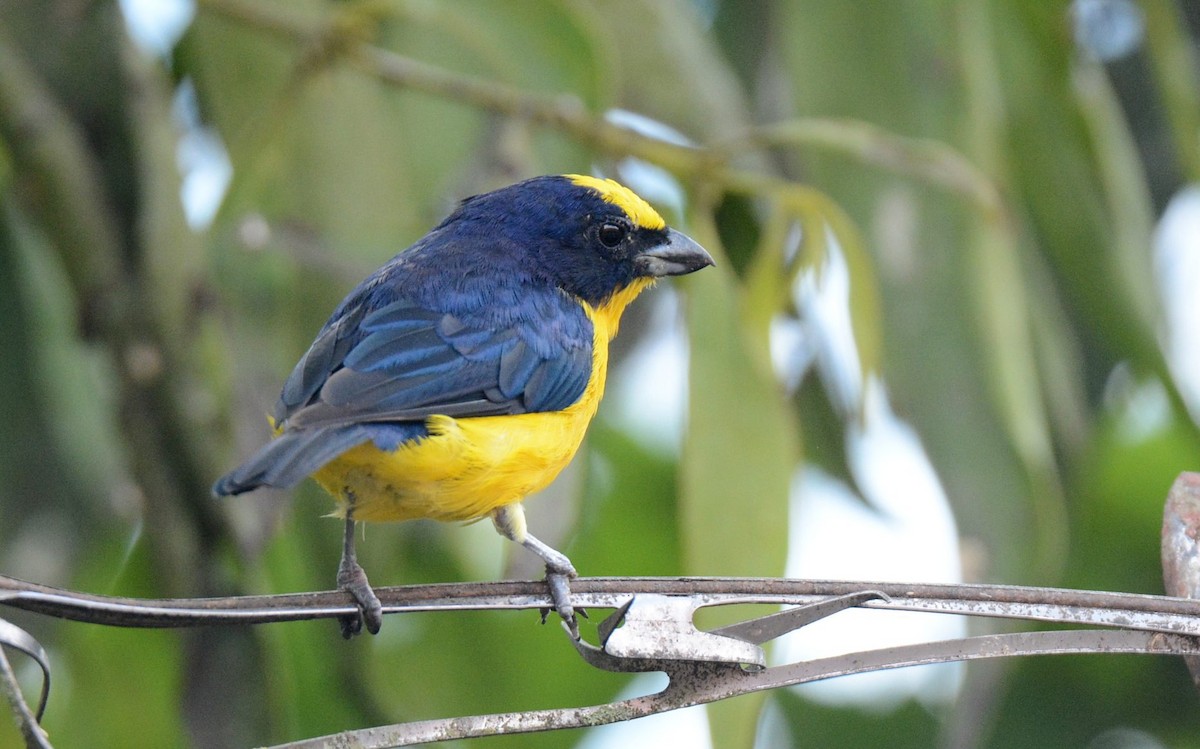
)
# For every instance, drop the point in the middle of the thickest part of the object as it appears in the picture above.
(993, 188)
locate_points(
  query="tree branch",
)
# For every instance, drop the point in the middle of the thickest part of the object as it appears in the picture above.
(348, 37)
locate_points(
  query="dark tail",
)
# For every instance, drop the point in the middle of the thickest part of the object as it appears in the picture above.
(286, 460)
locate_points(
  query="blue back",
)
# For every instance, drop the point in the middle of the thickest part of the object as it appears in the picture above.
(470, 321)
(481, 317)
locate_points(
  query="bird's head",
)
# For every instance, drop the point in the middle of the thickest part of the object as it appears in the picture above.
(594, 238)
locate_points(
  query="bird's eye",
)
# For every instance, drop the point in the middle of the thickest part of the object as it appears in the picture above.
(611, 235)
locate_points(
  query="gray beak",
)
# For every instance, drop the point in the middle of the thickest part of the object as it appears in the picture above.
(678, 256)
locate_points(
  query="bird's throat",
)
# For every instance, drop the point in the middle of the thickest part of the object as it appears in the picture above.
(606, 316)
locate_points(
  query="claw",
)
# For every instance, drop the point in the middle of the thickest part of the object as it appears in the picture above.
(353, 579)
(560, 594)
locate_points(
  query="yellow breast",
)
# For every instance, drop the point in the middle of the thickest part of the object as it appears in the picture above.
(468, 467)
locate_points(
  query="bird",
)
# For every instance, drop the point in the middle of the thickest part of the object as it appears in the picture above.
(461, 376)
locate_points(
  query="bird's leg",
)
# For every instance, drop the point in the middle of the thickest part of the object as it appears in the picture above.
(510, 523)
(353, 579)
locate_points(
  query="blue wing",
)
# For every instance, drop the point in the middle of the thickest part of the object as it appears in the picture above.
(377, 371)
(403, 362)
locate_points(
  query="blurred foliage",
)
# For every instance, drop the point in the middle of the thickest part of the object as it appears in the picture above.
(992, 187)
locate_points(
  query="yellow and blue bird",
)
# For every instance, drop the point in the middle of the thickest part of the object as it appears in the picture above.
(461, 376)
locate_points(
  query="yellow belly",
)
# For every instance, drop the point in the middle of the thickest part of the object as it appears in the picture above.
(468, 467)
(465, 468)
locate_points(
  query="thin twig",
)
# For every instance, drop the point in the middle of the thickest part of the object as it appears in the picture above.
(35, 737)
(567, 113)
(926, 160)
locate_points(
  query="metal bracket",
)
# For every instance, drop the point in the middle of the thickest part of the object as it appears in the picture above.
(653, 632)
(658, 627)
(651, 609)
(14, 637)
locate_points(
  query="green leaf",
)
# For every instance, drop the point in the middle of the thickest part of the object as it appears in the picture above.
(738, 458)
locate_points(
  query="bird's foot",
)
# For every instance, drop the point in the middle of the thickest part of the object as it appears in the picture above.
(558, 580)
(510, 523)
(353, 579)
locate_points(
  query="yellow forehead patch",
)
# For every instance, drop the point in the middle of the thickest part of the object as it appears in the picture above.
(638, 210)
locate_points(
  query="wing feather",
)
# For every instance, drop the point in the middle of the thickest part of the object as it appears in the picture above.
(409, 363)
(383, 365)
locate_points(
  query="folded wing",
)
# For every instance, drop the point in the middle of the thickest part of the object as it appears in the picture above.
(377, 374)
